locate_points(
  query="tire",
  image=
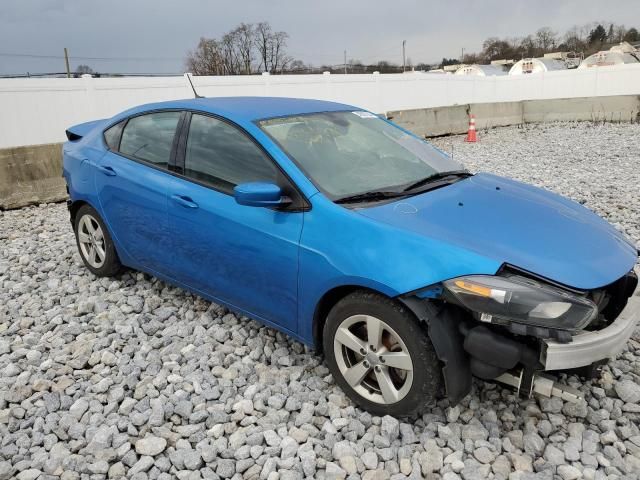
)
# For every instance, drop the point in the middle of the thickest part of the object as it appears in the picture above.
(405, 390)
(94, 243)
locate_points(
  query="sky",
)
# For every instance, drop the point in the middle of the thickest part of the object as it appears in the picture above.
(153, 36)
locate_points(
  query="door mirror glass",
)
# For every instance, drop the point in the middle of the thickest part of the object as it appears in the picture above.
(260, 194)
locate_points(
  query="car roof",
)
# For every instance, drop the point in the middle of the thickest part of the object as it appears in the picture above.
(250, 108)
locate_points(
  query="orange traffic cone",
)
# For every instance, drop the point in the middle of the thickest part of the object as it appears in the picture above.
(471, 133)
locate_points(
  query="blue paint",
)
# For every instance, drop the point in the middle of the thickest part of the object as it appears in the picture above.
(527, 227)
(276, 266)
(433, 292)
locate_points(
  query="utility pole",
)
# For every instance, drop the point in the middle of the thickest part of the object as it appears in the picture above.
(345, 62)
(404, 58)
(66, 61)
(462, 56)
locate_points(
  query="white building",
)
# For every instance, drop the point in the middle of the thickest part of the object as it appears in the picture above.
(536, 65)
(616, 55)
(481, 70)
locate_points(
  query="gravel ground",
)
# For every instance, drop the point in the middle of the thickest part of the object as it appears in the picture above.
(132, 377)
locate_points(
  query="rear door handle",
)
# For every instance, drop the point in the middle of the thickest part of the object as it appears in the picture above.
(108, 171)
(184, 201)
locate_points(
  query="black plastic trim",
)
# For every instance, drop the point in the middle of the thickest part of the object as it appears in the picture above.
(442, 325)
(508, 268)
(175, 146)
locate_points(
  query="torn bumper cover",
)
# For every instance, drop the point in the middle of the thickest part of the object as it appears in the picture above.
(589, 347)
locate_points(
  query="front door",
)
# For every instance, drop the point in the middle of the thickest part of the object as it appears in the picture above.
(245, 256)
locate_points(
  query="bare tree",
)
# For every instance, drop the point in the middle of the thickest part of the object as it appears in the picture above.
(206, 59)
(279, 59)
(244, 38)
(619, 32)
(546, 39)
(574, 40)
(246, 49)
(263, 40)
(527, 47)
(469, 59)
(230, 55)
(271, 48)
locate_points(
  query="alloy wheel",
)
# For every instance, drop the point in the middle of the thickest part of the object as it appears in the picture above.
(373, 359)
(91, 240)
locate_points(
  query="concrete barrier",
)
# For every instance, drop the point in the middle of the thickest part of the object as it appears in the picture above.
(30, 175)
(33, 174)
(430, 122)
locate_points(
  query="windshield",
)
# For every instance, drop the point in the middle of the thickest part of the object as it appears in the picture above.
(348, 153)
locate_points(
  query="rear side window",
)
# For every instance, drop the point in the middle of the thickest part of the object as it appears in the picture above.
(112, 136)
(222, 155)
(150, 137)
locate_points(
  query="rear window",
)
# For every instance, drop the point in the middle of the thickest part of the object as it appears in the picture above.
(150, 137)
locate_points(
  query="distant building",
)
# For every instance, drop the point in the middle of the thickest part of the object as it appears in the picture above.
(571, 59)
(616, 55)
(503, 62)
(453, 68)
(481, 70)
(536, 65)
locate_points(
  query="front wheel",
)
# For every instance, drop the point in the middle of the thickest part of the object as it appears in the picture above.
(381, 356)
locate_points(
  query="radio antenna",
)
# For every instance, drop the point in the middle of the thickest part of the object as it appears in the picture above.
(188, 75)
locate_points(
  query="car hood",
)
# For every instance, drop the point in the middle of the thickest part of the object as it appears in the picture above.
(518, 224)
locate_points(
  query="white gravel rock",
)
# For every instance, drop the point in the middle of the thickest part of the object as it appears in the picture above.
(628, 391)
(151, 446)
(130, 377)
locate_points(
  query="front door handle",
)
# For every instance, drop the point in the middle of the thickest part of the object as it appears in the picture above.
(108, 171)
(184, 201)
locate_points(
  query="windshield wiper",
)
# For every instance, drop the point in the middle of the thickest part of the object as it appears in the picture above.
(371, 196)
(436, 177)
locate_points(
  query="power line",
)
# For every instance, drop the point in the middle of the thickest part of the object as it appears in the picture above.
(74, 57)
(139, 59)
(95, 74)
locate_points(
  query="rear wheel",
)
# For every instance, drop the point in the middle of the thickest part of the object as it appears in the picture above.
(381, 356)
(95, 244)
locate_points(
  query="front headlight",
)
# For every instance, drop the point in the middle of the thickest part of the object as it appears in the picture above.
(522, 300)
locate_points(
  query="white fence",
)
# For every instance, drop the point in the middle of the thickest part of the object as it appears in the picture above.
(37, 111)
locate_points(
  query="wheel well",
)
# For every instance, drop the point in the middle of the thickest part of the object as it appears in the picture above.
(326, 303)
(73, 210)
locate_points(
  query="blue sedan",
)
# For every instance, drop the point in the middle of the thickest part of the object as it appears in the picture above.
(358, 238)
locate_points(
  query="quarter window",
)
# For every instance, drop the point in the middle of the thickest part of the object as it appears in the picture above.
(150, 137)
(221, 155)
(112, 136)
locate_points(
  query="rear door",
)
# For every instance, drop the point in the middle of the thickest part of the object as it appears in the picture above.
(244, 256)
(131, 182)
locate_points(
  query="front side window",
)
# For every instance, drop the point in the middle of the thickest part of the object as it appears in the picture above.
(223, 156)
(150, 137)
(349, 153)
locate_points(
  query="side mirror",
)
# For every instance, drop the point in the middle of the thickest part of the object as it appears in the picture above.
(260, 194)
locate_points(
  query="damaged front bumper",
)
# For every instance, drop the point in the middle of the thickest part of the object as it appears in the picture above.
(520, 357)
(584, 349)
(589, 347)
